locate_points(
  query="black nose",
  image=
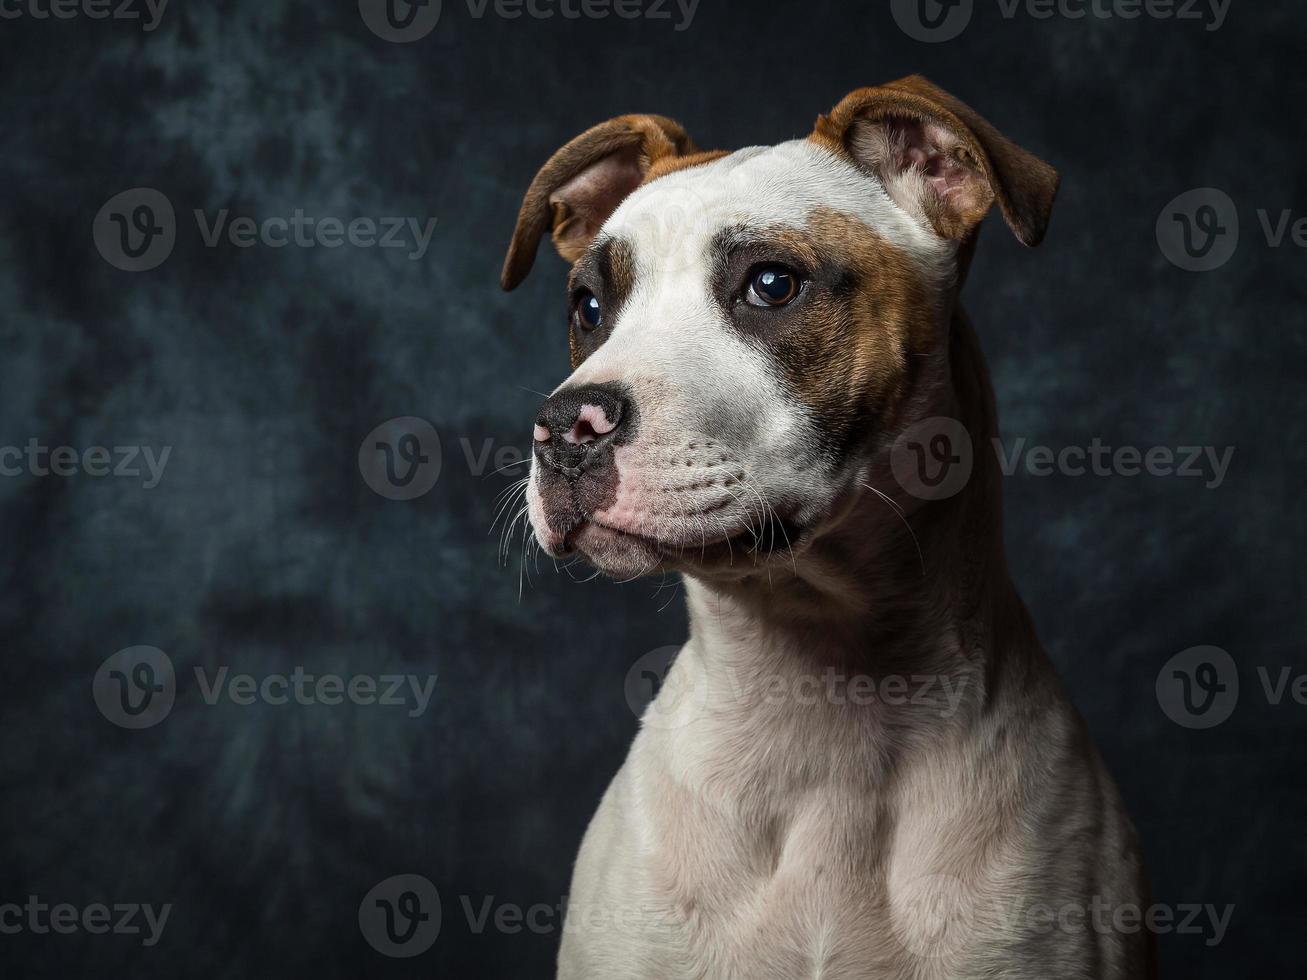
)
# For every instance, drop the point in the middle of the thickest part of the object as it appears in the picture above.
(577, 427)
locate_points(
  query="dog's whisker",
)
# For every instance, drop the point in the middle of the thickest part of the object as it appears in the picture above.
(508, 467)
(505, 500)
(900, 515)
(521, 515)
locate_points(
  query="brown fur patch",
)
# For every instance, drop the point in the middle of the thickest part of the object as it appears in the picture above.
(847, 353)
(673, 164)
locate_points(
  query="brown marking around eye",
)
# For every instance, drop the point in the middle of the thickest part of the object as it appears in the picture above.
(607, 270)
(845, 348)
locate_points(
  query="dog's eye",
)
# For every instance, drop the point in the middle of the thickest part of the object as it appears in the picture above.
(588, 312)
(773, 285)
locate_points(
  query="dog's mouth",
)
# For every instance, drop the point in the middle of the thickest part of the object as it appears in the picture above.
(606, 545)
(689, 507)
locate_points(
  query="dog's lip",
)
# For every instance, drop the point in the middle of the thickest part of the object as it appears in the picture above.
(590, 527)
(704, 549)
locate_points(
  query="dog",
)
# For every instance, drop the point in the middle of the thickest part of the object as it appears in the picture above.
(861, 764)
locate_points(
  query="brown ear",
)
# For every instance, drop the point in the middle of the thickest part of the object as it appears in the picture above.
(940, 160)
(584, 182)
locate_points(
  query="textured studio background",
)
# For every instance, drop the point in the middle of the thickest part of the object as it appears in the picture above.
(262, 548)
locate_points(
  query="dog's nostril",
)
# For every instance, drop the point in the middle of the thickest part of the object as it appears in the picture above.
(583, 432)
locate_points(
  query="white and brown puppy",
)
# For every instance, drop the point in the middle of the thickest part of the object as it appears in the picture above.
(861, 764)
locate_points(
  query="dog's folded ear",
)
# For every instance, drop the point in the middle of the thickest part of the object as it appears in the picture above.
(584, 182)
(939, 160)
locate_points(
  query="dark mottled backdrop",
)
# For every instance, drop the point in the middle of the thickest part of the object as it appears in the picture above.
(261, 548)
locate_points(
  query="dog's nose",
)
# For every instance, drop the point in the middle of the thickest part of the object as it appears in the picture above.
(576, 425)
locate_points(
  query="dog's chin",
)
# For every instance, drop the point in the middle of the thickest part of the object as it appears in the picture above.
(625, 555)
(615, 553)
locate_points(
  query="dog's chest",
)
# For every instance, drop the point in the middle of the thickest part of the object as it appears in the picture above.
(769, 901)
(830, 881)
(808, 893)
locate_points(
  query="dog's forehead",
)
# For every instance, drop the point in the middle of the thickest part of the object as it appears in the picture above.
(760, 187)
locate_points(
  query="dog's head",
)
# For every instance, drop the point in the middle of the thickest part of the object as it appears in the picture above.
(748, 331)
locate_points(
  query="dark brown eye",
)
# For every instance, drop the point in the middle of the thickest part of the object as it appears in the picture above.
(773, 285)
(588, 312)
